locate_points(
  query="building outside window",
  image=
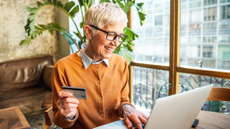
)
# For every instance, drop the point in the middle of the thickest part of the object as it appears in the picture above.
(204, 43)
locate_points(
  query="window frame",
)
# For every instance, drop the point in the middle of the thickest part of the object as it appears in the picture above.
(173, 68)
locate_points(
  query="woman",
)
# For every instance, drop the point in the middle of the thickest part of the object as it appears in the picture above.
(103, 74)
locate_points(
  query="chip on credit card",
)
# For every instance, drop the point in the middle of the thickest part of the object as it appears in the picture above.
(78, 92)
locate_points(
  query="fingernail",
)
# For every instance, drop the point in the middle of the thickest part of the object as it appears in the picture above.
(71, 94)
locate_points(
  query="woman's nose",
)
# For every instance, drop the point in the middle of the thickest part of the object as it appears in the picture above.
(116, 41)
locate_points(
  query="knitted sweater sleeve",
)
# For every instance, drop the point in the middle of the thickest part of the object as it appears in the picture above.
(125, 89)
(59, 80)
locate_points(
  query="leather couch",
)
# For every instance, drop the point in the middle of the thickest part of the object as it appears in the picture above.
(26, 83)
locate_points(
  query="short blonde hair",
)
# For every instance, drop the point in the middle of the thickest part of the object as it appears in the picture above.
(104, 14)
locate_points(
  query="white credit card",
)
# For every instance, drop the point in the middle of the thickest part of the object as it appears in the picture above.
(78, 92)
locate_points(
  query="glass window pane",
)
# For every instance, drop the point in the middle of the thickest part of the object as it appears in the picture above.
(195, 29)
(224, 1)
(210, 2)
(224, 52)
(195, 4)
(224, 28)
(205, 34)
(193, 51)
(194, 39)
(190, 81)
(209, 51)
(194, 16)
(210, 14)
(154, 34)
(209, 28)
(148, 85)
(209, 39)
(158, 20)
(224, 12)
(224, 39)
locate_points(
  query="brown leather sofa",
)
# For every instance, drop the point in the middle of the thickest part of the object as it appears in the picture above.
(26, 82)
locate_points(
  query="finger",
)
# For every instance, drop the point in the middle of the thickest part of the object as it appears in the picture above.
(63, 94)
(71, 100)
(137, 122)
(69, 106)
(128, 122)
(142, 119)
(145, 116)
(65, 101)
(68, 112)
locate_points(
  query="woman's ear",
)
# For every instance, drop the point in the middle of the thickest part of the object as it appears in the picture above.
(88, 32)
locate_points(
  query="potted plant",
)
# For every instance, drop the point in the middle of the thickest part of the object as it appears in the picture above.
(71, 9)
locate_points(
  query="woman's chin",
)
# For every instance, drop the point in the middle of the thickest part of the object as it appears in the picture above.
(107, 56)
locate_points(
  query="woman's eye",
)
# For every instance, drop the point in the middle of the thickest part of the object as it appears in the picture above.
(111, 34)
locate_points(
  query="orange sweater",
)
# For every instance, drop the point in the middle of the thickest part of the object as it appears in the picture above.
(106, 87)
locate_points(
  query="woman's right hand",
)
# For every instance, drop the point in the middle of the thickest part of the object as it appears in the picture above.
(67, 105)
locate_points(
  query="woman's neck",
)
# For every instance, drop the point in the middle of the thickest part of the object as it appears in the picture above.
(90, 53)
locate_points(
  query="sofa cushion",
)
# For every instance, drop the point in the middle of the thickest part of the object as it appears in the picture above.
(22, 73)
(47, 101)
(48, 75)
(19, 97)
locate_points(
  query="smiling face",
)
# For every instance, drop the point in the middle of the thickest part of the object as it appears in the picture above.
(98, 46)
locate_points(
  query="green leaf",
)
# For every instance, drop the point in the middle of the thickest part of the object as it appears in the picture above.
(55, 2)
(67, 37)
(32, 17)
(141, 12)
(39, 4)
(117, 49)
(139, 6)
(90, 3)
(79, 44)
(32, 29)
(69, 5)
(82, 24)
(130, 34)
(60, 4)
(130, 43)
(102, 1)
(126, 54)
(121, 4)
(127, 7)
(51, 32)
(77, 34)
(29, 9)
(26, 41)
(129, 48)
(32, 10)
(114, 1)
(74, 11)
(81, 2)
(142, 15)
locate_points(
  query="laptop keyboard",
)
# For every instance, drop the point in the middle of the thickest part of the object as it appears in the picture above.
(143, 126)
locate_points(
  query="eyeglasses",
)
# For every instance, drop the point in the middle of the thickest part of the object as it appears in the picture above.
(112, 35)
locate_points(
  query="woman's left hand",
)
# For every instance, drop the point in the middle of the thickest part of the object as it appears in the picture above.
(131, 114)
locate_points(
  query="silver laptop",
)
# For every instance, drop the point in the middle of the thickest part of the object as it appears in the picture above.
(178, 111)
(173, 112)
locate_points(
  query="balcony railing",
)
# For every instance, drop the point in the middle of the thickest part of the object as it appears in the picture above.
(151, 84)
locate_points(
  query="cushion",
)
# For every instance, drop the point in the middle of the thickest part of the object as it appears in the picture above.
(22, 73)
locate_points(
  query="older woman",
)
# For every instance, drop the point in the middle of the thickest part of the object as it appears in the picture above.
(103, 74)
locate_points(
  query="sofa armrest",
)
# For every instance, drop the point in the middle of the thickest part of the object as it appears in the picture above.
(48, 75)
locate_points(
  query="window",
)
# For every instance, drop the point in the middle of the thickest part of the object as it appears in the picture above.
(176, 60)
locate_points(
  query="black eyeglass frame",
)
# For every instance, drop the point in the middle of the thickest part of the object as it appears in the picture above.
(107, 33)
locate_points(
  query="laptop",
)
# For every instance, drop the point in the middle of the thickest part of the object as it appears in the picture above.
(177, 111)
